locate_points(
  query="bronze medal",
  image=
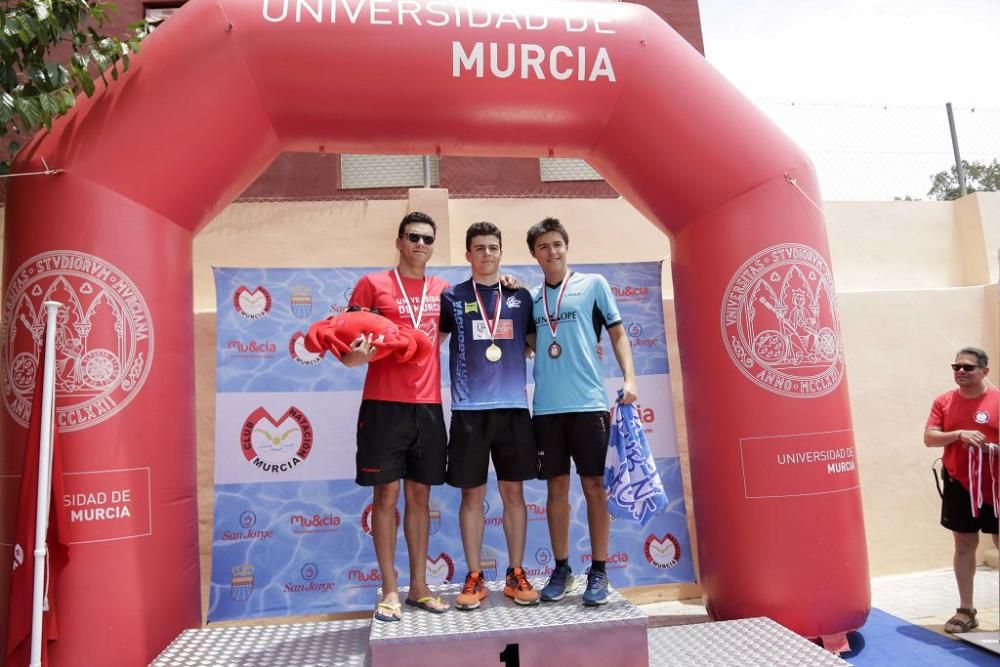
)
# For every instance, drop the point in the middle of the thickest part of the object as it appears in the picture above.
(555, 350)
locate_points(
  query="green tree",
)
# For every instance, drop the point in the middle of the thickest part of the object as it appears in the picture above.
(51, 50)
(979, 177)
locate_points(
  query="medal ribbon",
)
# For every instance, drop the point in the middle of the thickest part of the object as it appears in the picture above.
(415, 319)
(491, 330)
(553, 325)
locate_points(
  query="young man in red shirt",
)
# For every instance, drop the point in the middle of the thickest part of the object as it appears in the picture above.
(964, 422)
(401, 430)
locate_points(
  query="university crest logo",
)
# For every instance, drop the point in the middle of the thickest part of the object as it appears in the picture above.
(103, 337)
(779, 322)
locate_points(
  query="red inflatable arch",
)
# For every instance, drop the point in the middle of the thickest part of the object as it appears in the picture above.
(226, 85)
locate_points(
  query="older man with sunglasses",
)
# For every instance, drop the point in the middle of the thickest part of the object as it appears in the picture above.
(964, 422)
(401, 430)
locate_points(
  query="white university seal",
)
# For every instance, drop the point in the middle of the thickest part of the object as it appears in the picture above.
(779, 322)
(104, 337)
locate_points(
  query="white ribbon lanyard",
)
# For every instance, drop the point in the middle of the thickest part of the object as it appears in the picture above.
(414, 318)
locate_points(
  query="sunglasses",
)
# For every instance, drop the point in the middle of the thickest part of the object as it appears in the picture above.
(417, 238)
(968, 368)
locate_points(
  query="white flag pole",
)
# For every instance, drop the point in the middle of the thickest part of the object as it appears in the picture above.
(44, 479)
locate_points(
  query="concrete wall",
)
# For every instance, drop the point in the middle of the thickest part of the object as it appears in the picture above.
(916, 281)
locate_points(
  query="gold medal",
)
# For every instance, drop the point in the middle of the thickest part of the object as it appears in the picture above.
(493, 353)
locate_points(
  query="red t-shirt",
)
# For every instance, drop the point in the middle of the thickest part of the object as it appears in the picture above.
(951, 412)
(416, 381)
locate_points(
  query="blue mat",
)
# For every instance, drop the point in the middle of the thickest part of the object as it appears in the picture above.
(887, 640)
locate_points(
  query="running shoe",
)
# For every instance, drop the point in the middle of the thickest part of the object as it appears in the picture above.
(559, 584)
(519, 588)
(597, 589)
(473, 592)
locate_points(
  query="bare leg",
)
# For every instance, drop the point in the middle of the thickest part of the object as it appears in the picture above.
(416, 527)
(557, 509)
(965, 565)
(515, 520)
(384, 535)
(598, 518)
(470, 521)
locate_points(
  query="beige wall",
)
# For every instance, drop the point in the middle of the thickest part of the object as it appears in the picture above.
(915, 280)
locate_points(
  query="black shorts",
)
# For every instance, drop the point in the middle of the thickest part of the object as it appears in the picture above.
(505, 433)
(956, 510)
(580, 435)
(400, 440)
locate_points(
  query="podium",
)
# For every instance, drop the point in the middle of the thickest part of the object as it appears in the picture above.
(503, 634)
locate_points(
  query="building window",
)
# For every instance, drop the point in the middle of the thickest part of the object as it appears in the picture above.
(566, 169)
(387, 171)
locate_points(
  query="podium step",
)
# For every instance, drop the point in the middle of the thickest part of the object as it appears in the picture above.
(501, 632)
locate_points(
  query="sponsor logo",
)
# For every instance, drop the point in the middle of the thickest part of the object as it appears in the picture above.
(486, 507)
(366, 522)
(440, 570)
(488, 564)
(241, 582)
(634, 331)
(981, 417)
(617, 560)
(662, 553)
(630, 292)
(317, 523)
(276, 445)
(311, 583)
(435, 518)
(779, 322)
(301, 300)
(251, 349)
(513, 302)
(348, 293)
(252, 305)
(298, 352)
(247, 519)
(471, 307)
(544, 557)
(504, 330)
(569, 316)
(536, 512)
(103, 337)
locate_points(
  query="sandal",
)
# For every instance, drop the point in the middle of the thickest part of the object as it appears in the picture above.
(432, 604)
(956, 624)
(388, 612)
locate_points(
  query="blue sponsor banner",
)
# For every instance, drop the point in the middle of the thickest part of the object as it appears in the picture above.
(291, 532)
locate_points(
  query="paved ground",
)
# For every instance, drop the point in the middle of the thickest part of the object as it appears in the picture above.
(927, 599)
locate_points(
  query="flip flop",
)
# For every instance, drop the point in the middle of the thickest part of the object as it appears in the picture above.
(387, 612)
(425, 604)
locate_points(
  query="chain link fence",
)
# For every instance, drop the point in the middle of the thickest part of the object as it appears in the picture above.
(871, 152)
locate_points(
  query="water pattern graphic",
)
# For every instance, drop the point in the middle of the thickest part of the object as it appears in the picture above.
(300, 547)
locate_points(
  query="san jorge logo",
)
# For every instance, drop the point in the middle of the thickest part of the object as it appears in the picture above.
(103, 337)
(252, 304)
(276, 445)
(662, 553)
(779, 322)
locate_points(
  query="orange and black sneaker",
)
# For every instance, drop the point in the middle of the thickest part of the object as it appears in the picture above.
(473, 592)
(519, 588)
